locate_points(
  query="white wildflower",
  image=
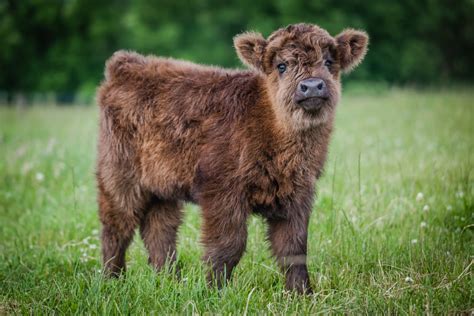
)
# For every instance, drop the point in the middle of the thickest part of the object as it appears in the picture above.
(409, 280)
(414, 241)
(39, 176)
(419, 197)
(426, 208)
(460, 194)
(95, 232)
(423, 224)
(92, 246)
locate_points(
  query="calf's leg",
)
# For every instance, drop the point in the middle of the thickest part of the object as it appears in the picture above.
(158, 229)
(288, 238)
(118, 227)
(224, 235)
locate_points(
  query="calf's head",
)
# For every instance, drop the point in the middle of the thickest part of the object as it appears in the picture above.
(301, 65)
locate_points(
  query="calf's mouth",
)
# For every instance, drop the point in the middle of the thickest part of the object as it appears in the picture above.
(312, 104)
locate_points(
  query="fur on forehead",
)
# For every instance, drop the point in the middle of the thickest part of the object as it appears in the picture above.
(298, 36)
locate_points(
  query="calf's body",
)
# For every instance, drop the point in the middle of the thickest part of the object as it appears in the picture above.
(173, 131)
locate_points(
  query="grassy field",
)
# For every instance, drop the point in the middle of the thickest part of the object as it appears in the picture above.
(392, 229)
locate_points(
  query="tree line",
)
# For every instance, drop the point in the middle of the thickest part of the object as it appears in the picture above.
(61, 45)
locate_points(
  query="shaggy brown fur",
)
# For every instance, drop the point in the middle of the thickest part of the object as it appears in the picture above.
(235, 142)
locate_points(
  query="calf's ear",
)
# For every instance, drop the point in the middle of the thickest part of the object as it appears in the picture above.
(352, 47)
(250, 47)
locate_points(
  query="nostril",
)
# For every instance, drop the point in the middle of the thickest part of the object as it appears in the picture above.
(303, 87)
(320, 86)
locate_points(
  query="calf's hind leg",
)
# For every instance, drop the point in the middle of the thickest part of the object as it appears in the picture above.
(159, 228)
(118, 227)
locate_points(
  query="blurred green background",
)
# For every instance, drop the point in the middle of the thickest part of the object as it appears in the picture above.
(59, 47)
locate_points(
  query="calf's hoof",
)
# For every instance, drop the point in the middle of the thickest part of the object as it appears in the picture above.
(297, 279)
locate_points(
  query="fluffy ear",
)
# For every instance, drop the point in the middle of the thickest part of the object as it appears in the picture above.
(352, 47)
(250, 47)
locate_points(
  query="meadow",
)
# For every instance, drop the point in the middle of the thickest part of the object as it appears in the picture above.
(392, 229)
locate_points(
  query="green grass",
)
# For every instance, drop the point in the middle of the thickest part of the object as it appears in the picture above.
(373, 246)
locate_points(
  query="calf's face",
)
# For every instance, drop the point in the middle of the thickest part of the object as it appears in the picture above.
(302, 65)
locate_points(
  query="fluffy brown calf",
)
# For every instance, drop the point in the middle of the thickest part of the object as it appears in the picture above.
(235, 142)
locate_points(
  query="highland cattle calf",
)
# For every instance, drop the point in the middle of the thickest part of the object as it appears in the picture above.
(235, 142)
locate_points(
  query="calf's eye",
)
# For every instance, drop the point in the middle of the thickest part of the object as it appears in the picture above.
(328, 63)
(281, 68)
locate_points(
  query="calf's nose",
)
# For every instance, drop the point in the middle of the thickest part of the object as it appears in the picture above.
(313, 87)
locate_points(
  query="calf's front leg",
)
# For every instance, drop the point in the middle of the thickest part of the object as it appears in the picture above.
(288, 238)
(224, 235)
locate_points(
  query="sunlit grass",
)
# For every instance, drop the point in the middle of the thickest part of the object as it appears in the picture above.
(392, 228)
